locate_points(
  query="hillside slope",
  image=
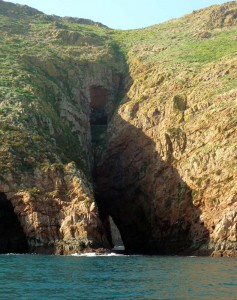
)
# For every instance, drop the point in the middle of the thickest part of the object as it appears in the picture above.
(141, 123)
(49, 68)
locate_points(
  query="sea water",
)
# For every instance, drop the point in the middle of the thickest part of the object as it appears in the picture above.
(116, 277)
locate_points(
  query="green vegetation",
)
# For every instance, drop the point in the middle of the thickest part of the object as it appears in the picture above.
(44, 60)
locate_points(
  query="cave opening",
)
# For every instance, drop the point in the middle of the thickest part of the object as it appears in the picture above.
(100, 110)
(116, 238)
(102, 105)
(12, 237)
(99, 100)
(99, 107)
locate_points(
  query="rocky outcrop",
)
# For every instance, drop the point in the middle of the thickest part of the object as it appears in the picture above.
(58, 214)
(115, 235)
(168, 175)
(47, 115)
(54, 200)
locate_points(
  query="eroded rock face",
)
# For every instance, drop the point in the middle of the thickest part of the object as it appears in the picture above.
(59, 214)
(47, 176)
(168, 176)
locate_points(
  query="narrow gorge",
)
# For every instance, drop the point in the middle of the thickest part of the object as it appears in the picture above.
(107, 129)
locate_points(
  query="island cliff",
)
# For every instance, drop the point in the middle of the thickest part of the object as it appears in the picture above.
(136, 125)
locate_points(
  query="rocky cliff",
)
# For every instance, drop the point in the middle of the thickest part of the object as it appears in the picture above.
(135, 125)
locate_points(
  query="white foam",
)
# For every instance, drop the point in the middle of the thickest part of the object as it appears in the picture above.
(93, 254)
(13, 254)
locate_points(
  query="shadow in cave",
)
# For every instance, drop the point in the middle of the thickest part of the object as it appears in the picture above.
(12, 237)
(98, 113)
(146, 197)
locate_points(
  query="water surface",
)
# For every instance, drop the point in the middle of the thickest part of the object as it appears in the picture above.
(116, 277)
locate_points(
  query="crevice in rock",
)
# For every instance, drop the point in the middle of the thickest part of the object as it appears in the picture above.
(102, 107)
(12, 237)
(99, 113)
(99, 109)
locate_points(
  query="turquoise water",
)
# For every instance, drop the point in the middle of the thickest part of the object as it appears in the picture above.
(120, 277)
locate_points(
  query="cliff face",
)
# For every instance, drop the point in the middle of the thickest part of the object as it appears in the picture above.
(168, 175)
(135, 125)
(51, 75)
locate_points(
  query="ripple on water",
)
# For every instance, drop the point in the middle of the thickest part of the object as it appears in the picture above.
(116, 276)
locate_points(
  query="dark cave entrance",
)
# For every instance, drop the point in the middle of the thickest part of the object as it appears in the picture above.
(99, 113)
(99, 99)
(101, 107)
(12, 237)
